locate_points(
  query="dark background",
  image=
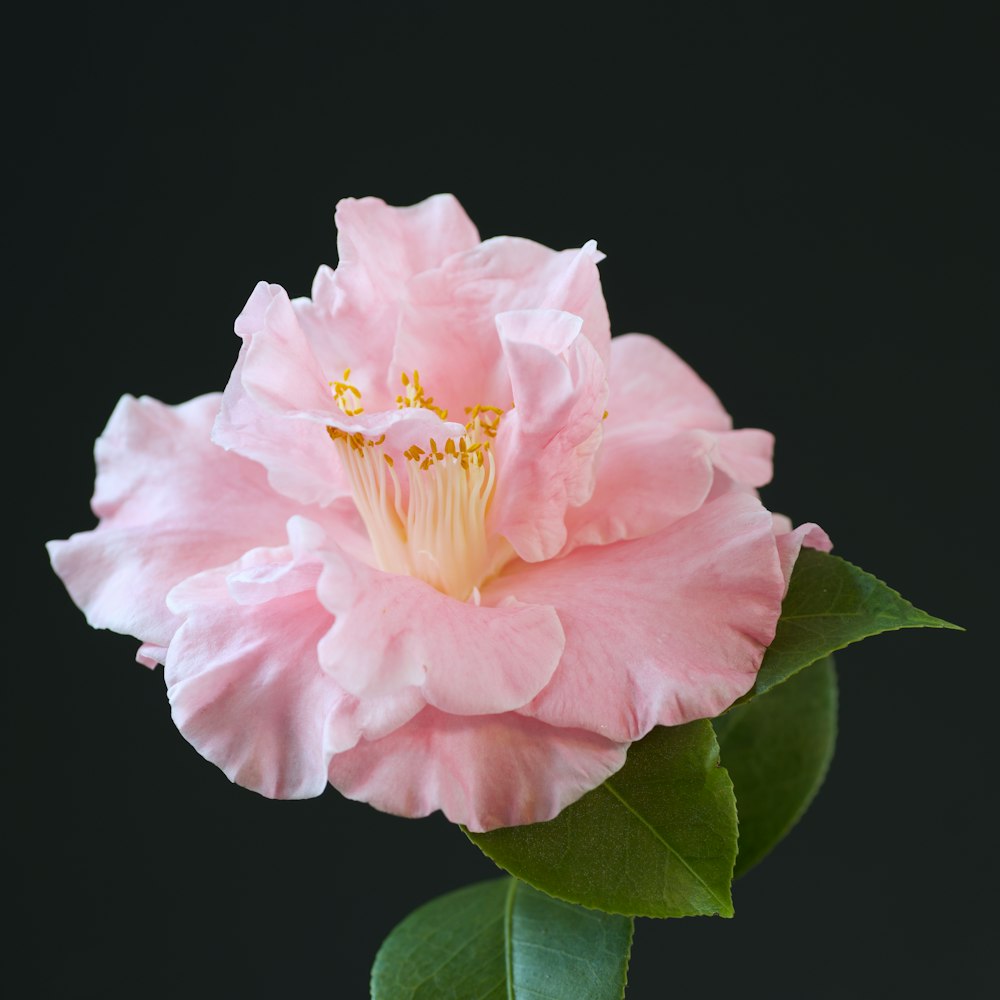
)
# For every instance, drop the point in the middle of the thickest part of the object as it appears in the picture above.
(800, 203)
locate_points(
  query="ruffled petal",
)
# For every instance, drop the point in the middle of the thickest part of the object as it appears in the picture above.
(648, 382)
(645, 482)
(171, 504)
(746, 456)
(547, 444)
(353, 316)
(447, 328)
(482, 771)
(661, 630)
(274, 406)
(244, 679)
(393, 244)
(393, 632)
(790, 543)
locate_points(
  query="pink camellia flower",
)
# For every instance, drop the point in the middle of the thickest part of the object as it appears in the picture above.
(441, 542)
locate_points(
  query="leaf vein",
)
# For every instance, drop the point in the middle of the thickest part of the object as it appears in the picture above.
(607, 785)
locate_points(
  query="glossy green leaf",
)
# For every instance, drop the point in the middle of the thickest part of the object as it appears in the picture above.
(657, 839)
(777, 749)
(503, 940)
(829, 605)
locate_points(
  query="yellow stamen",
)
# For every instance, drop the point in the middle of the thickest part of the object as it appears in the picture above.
(436, 528)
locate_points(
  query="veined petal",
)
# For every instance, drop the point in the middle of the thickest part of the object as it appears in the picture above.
(170, 504)
(393, 632)
(244, 679)
(483, 771)
(247, 691)
(546, 445)
(660, 630)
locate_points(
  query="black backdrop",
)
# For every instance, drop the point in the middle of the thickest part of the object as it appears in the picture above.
(798, 203)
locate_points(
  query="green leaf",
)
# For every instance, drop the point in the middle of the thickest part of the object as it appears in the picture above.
(829, 605)
(503, 940)
(657, 839)
(777, 749)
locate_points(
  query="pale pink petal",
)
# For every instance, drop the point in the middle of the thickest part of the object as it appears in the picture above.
(393, 244)
(151, 655)
(661, 630)
(782, 523)
(745, 456)
(812, 536)
(547, 444)
(351, 326)
(298, 455)
(247, 691)
(645, 482)
(353, 316)
(244, 679)
(278, 405)
(276, 377)
(447, 327)
(482, 771)
(171, 504)
(392, 632)
(370, 719)
(649, 382)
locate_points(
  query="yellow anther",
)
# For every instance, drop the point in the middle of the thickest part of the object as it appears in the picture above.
(605, 417)
(342, 393)
(388, 460)
(414, 396)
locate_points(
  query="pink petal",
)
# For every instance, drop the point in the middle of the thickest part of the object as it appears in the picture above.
(278, 405)
(648, 382)
(393, 244)
(170, 504)
(244, 679)
(352, 319)
(482, 771)
(745, 456)
(645, 482)
(448, 324)
(661, 630)
(151, 655)
(547, 444)
(392, 632)
(247, 691)
(790, 543)
(276, 381)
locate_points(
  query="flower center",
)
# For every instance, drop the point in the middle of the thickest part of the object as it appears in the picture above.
(428, 521)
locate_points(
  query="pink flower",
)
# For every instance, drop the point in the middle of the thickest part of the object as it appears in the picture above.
(442, 542)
